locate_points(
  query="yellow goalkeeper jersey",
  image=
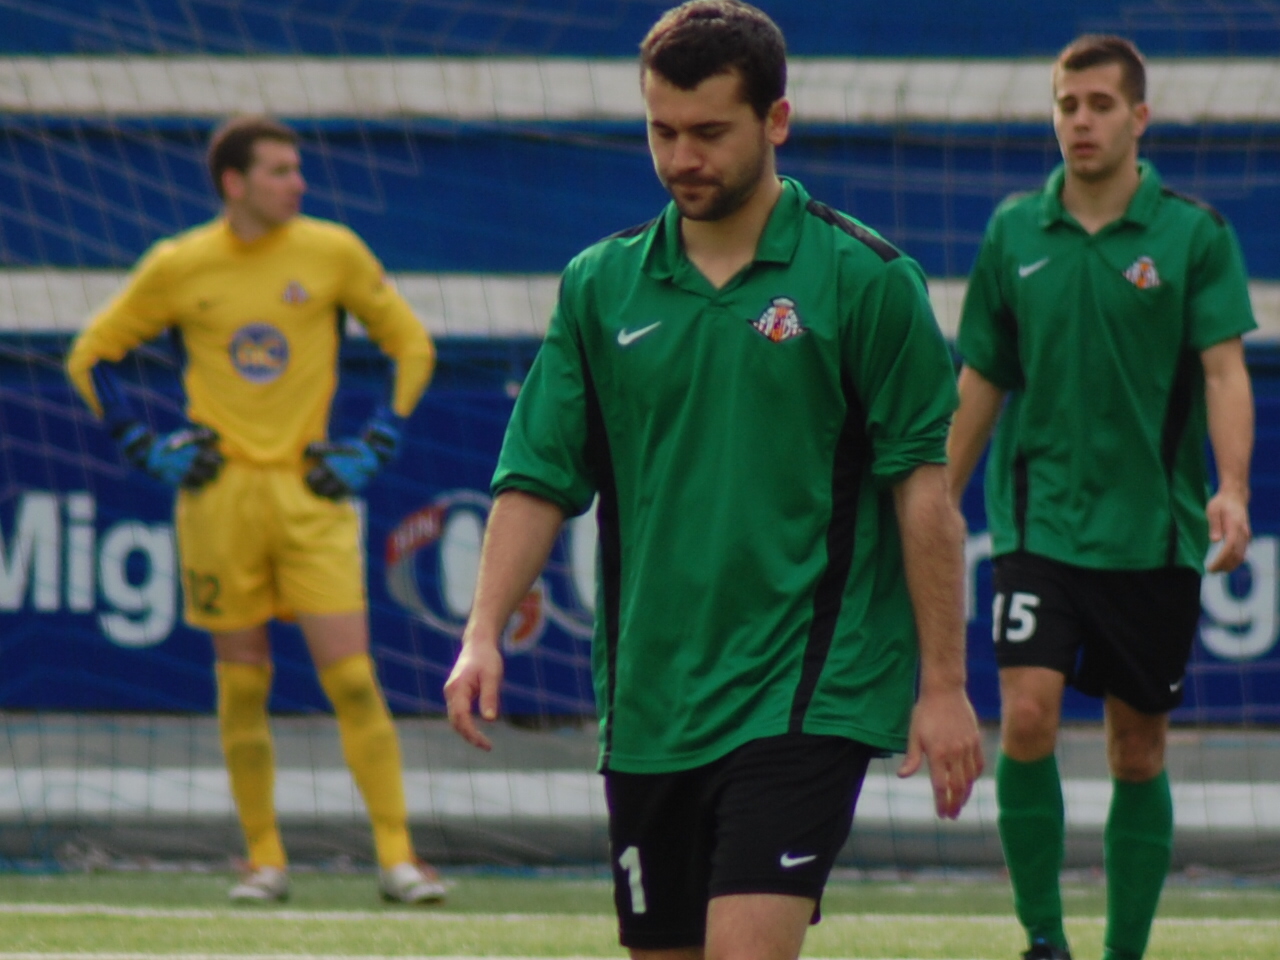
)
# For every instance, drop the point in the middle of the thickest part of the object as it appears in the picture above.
(259, 325)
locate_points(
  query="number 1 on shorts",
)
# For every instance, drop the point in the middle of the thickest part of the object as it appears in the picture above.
(630, 862)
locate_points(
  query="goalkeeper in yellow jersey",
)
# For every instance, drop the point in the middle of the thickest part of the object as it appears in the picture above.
(264, 521)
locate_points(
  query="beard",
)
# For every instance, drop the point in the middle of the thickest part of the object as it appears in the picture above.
(726, 197)
(1094, 170)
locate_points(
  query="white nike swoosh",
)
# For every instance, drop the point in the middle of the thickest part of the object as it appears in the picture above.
(628, 337)
(1028, 269)
(788, 861)
(1175, 687)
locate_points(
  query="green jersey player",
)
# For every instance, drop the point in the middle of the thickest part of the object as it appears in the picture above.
(1101, 329)
(754, 386)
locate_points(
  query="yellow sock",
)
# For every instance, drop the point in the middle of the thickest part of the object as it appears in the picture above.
(246, 745)
(372, 750)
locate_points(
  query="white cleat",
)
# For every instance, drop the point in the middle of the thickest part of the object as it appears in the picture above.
(409, 883)
(261, 885)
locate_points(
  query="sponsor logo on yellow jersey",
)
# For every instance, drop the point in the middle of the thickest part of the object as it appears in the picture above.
(259, 352)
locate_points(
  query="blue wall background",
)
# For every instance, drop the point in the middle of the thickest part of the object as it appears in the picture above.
(526, 198)
(517, 197)
(59, 659)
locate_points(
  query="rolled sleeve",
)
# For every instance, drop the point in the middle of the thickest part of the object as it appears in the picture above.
(903, 373)
(1218, 307)
(545, 450)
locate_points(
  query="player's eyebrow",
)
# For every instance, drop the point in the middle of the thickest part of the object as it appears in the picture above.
(708, 126)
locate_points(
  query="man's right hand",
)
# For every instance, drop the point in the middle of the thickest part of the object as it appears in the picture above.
(477, 675)
(187, 457)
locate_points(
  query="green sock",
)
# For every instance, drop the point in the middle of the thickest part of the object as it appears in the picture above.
(1031, 822)
(1137, 843)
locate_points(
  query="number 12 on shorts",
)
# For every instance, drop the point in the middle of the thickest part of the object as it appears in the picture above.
(1019, 622)
(630, 862)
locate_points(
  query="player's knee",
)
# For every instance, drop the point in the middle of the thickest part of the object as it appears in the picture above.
(1029, 728)
(351, 685)
(1135, 757)
(242, 713)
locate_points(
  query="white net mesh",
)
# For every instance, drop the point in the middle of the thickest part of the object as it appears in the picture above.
(476, 147)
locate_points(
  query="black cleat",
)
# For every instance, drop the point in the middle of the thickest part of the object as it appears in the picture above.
(1044, 950)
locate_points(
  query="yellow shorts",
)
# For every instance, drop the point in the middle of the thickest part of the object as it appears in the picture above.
(257, 544)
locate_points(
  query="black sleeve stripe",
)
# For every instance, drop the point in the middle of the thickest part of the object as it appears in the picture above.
(1176, 417)
(599, 457)
(1218, 218)
(885, 250)
(635, 231)
(850, 471)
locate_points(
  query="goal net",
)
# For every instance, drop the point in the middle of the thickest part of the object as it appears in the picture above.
(476, 148)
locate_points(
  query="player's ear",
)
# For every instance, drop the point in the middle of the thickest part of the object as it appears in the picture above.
(1141, 117)
(777, 122)
(233, 184)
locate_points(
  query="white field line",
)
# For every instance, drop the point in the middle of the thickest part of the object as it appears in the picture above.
(287, 956)
(58, 955)
(429, 917)
(1240, 809)
(58, 300)
(294, 956)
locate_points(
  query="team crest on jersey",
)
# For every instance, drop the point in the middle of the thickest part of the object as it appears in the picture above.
(780, 321)
(295, 293)
(1142, 274)
(259, 352)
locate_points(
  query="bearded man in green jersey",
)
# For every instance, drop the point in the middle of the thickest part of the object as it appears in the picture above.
(754, 386)
(1101, 337)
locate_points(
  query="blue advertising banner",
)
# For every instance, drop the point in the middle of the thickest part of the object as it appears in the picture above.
(91, 590)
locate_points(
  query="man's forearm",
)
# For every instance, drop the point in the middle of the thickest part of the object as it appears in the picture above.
(517, 542)
(933, 556)
(1229, 407)
(980, 403)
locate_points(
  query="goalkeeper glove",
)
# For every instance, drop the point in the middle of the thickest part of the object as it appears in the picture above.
(345, 467)
(187, 457)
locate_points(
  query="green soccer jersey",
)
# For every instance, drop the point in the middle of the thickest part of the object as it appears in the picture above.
(1098, 459)
(743, 442)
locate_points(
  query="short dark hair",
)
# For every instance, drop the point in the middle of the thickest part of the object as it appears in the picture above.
(1097, 50)
(704, 38)
(231, 145)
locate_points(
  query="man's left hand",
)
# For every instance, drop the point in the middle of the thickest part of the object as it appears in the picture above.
(1229, 527)
(944, 729)
(343, 468)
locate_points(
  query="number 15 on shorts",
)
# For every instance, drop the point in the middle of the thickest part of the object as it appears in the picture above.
(1016, 623)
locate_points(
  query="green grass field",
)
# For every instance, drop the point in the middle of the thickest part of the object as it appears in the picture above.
(184, 915)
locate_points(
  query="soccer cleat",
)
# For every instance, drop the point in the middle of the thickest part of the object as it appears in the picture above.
(409, 883)
(261, 885)
(1044, 950)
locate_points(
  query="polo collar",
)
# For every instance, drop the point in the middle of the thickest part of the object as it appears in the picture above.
(1142, 205)
(665, 255)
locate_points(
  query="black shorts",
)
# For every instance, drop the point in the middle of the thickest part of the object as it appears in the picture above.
(1127, 633)
(769, 817)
